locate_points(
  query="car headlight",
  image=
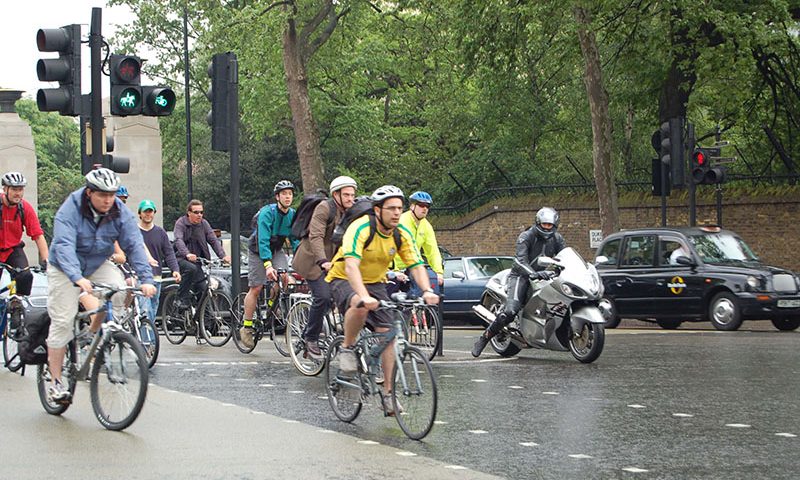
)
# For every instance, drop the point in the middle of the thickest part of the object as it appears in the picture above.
(753, 282)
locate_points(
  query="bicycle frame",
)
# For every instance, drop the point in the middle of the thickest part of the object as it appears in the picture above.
(107, 328)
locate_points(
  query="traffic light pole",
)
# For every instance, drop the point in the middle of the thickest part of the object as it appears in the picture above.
(233, 121)
(96, 117)
(692, 186)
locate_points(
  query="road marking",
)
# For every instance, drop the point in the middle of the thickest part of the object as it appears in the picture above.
(636, 405)
(439, 422)
(212, 375)
(325, 430)
(189, 369)
(580, 456)
(242, 380)
(635, 470)
(455, 467)
(529, 444)
(406, 454)
(275, 362)
(290, 421)
(296, 391)
(368, 442)
(477, 432)
(787, 435)
(266, 385)
(471, 360)
(256, 412)
(199, 397)
(549, 393)
(446, 376)
(478, 380)
(515, 387)
(323, 397)
(683, 415)
(737, 425)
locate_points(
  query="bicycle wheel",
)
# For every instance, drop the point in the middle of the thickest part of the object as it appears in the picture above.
(11, 336)
(298, 318)
(69, 373)
(414, 393)
(173, 321)
(277, 326)
(424, 330)
(216, 320)
(238, 323)
(148, 336)
(118, 383)
(343, 395)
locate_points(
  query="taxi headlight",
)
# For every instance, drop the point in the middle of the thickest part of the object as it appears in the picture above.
(753, 282)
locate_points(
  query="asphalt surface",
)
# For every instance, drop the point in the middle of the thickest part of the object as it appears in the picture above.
(656, 404)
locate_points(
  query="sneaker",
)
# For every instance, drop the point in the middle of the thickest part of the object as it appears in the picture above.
(58, 393)
(388, 408)
(379, 377)
(246, 334)
(312, 348)
(347, 362)
(480, 344)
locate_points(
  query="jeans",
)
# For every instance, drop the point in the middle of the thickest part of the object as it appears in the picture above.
(320, 304)
(150, 305)
(191, 279)
(415, 291)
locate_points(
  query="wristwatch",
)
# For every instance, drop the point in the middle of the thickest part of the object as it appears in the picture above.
(429, 290)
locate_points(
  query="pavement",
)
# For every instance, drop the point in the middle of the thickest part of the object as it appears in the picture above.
(183, 436)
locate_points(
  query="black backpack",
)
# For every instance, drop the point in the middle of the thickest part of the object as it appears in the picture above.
(20, 213)
(361, 207)
(302, 217)
(32, 347)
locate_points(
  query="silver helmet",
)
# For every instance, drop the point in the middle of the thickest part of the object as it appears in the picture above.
(546, 215)
(103, 179)
(14, 179)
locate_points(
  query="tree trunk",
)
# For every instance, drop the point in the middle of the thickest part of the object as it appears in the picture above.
(681, 76)
(601, 126)
(305, 128)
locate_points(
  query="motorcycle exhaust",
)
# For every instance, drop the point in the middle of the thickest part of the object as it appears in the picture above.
(484, 313)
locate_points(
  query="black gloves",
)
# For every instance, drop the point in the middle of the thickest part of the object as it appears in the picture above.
(43, 264)
(543, 275)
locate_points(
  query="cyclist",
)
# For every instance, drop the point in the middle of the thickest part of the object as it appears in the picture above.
(313, 257)
(541, 239)
(85, 228)
(414, 219)
(157, 243)
(273, 225)
(193, 235)
(122, 194)
(358, 276)
(17, 216)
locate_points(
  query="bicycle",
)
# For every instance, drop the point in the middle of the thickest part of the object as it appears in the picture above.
(424, 327)
(270, 313)
(111, 355)
(297, 319)
(211, 320)
(12, 315)
(143, 329)
(413, 376)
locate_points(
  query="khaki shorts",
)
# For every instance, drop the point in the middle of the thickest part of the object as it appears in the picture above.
(257, 274)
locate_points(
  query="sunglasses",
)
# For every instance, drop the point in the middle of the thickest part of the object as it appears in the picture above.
(197, 212)
(424, 205)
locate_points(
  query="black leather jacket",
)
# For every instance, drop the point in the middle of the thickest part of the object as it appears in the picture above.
(530, 245)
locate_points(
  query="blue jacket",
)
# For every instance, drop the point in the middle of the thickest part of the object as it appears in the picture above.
(271, 230)
(80, 246)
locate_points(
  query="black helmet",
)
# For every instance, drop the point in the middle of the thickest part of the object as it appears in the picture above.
(283, 185)
(546, 215)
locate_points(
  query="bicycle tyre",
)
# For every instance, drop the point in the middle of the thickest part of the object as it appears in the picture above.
(121, 361)
(216, 319)
(345, 401)
(238, 323)
(277, 327)
(172, 321)
(418, 393)
(427, 333)
(10, 347)
(69, 373)
(298, 319)
(150, 341)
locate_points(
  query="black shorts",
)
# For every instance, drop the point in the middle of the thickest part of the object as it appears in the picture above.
(343, 292)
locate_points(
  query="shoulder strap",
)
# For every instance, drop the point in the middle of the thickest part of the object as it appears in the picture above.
(331, 211)
(20, 212)
(398, 239)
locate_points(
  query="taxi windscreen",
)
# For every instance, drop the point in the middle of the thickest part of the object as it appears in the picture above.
(722, 248)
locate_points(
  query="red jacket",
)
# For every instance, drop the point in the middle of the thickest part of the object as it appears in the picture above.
(11, 231)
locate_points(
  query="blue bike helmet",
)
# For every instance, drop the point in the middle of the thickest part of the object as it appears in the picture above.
(122, 191)
(421, 197)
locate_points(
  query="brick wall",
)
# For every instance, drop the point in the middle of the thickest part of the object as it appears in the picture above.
(771, 226)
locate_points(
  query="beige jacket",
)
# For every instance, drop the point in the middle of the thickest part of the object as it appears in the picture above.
(317, 247)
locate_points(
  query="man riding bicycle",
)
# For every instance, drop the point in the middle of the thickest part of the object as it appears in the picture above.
(414, 219)
(313, 257)
(157, 244)
(85, 228)
(193, 235)
(17, 216)
(358, 276)
(265, 252)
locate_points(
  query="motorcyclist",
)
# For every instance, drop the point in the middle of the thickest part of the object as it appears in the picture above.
(541, 239)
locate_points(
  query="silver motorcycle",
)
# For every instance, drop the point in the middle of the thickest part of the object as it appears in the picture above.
(563, 313)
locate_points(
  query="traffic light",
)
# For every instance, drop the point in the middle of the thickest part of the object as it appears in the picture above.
(703, 172)
(656, 179)
(671, 151)
(220, 116)
(126, 89)
(158, 101)
(66, 70)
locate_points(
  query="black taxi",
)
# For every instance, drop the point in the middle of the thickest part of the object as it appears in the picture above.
(676, 274)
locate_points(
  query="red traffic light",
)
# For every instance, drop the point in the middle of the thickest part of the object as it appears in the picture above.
(700, 158)
(128, 69)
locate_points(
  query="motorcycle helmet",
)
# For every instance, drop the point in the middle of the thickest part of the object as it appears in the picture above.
(546, 215)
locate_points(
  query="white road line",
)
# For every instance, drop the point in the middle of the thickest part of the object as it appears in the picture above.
(242, 380)
(368, 442)
(549, 393)
(737, 425)
(439, 422)
(580, 456)
(256, 412)
(325, 430)
(635, 470)
(471, 360)
(199, 397)
(455, 467)
(683, 415)
(189, 369)
(477, 432)
(290, 421)
(478, 380)
(636, 405)
(446, 376)
(529, 444)
(516, 387)
(266, 385)
(212, 375)
(228, 405)
(406, 454)
(787, 435)
(296, 391)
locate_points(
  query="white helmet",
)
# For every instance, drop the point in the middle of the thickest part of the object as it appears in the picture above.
(341, 182)
(384, 193)
(103, 179)
(14, 179)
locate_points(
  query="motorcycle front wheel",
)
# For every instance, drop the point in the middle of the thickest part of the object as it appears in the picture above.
(586, 345)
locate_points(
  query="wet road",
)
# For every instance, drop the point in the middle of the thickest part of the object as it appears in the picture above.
(657, 404)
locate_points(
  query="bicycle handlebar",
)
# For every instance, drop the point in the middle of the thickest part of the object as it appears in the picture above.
(11, 268)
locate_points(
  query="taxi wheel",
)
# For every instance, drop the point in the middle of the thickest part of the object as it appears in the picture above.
(786, 324)
(724, 312)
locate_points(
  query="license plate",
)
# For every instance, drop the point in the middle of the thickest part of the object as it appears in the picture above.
(789, 303)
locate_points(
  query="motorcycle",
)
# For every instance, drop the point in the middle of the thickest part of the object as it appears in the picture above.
(566, 312)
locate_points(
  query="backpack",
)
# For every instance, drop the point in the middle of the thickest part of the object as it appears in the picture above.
(302, 217)
(361, 207)
(32, 347)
